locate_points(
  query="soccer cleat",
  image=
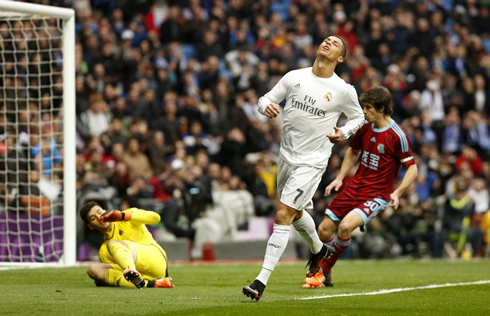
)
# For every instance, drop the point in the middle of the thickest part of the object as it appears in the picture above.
(165, 282)
(254, 290)
(134, 277)
(317, 259)
(320, 279)
(328, 279)
(316, 280)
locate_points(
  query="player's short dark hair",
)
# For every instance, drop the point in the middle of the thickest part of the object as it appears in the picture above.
(86, 208)
(379, 97)
(343, 53)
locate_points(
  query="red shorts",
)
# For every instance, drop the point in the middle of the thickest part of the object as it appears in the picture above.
(367, 207)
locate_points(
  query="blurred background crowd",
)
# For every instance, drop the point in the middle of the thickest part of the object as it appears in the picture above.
(166, 104)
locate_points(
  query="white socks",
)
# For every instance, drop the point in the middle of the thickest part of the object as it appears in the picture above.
(306, 228)
(275, 248)
(279, 240)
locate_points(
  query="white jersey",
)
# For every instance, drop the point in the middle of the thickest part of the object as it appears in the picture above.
(313, 107)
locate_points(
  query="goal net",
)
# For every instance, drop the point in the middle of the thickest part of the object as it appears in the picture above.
(37, 135)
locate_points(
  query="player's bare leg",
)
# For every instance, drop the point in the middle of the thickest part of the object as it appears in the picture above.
(339, 244)
(97, 272)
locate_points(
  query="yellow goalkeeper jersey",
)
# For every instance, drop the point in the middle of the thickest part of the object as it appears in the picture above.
(134, 230)
(485, 226)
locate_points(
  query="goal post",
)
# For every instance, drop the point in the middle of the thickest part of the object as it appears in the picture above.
(38, 134)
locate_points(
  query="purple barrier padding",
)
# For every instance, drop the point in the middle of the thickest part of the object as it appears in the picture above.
(86, 252)
(22, 235)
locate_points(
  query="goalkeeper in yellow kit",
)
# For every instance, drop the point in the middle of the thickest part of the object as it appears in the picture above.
(129, 255)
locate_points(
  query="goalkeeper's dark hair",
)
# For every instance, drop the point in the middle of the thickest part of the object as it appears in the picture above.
(379, 98)
(343, 53)
(86, 208)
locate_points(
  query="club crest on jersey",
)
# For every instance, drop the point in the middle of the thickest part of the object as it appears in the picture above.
(328, 97)
(381, 148)
(121, 232)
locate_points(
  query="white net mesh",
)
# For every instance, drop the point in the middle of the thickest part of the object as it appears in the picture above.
(31, 138)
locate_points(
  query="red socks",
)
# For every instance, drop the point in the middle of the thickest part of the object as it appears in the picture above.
(339, 245)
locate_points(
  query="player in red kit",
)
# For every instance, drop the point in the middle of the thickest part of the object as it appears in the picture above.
(382, 146)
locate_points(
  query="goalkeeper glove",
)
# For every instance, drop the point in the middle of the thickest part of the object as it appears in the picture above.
(115, 216)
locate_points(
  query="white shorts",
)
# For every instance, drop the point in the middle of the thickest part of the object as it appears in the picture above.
(297, 184)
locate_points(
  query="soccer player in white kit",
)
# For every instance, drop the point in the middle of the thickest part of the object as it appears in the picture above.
(315, 99)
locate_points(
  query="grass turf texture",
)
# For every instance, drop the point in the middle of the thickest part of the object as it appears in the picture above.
(215, 289)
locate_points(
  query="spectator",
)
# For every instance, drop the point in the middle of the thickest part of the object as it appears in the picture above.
(431, 99)
(120, 111)
(240, 61)
(48, 157)
(117, 22)
(400, 35)
(137, 162)
(158, 151)
(119, 178)
(97, 165)
(382, 60)
(479, 193)
(232, 150)
(263, 204)
(170, 123)
(139, 188)
(478, 135)
(117, 132)
(96, 118)
(195, 139)
(457, 220)
(482, 97)
(469, 157)
(425, 40)
(417, 73)
(452, 138)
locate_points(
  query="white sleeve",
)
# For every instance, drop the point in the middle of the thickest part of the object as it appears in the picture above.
(276, 95)
(352, 109)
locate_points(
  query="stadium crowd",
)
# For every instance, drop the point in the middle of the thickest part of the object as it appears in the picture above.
(166, 103)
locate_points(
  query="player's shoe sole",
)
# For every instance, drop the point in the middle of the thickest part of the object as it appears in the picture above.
(134, 277)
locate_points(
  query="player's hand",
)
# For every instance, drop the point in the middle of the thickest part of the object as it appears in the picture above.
(272, 110)
(395, 202)
(335, 185)
(337, 137)
(114, 216)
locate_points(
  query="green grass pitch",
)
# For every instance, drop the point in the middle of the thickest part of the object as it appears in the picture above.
(215, 289)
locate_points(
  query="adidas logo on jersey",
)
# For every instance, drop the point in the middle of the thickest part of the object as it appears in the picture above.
(373, 139)
(297, 86)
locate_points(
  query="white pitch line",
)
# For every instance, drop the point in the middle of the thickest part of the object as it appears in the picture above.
(432, 286)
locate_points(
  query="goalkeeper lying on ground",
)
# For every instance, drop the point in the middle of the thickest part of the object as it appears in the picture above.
(130, 256)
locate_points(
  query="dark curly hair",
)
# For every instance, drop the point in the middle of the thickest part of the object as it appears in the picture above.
(379, 97)
(86, 208)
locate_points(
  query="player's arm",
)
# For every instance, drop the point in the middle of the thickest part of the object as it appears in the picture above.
(404, 153)
(349, 161)
(271, 110)
(268, 104)
(407, 180)
(352, 109)
(134, 215)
